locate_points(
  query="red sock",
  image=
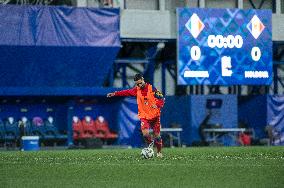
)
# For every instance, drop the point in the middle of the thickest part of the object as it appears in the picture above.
(159, 144)
(148, 139)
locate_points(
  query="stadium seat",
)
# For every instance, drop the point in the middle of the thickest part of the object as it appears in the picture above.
(84, 133)
(11, 129)
(77, 128)
(102, 128)
(88, 127)
(38, 128)
(2, 131)
(51, 131)
(11, 132)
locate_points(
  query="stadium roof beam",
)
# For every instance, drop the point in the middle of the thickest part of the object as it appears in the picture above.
(259, 6)
(131, 61)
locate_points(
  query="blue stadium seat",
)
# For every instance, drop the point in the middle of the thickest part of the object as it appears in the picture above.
(2, 131)
(51, 130)
(37, 127)
(11, 129)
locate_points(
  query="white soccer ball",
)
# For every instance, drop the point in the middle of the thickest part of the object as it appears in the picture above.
(147, 153)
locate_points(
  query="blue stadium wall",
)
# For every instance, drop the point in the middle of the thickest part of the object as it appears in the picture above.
(50, 50)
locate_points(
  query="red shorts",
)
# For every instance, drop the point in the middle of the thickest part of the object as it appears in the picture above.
(154, 124)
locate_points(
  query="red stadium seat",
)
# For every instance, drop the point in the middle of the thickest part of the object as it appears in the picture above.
(102, 128)
(77, 126)
(88, 128)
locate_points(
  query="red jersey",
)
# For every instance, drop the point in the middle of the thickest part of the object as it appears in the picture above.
(133, 92)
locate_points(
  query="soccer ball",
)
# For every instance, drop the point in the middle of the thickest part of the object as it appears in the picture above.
(147, 153)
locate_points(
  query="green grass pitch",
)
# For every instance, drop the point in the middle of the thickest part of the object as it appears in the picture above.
(181, 167)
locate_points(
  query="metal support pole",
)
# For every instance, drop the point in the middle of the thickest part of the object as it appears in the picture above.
(162, 5)
(196, 89)
(261, 4)
(70, 114)
(191, 90)
(124, 79)
(202, 90)
(124, 4)
(240, 4)
(230, 89)
(111, 76)
(252, 4)
(164, 68)
(239, 90)
(266, 88)
(275, 79)
(235, 90)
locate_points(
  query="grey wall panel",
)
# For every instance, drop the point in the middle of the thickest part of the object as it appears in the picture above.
(142, 4)
(192, 3)
(148, 24)
(220, 4)
(278, 27)
(172, 4)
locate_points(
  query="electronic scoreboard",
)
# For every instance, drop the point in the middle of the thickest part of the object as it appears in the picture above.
(224, 46)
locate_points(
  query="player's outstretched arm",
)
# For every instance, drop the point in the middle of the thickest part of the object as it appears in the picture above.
(111, 94)
(124, 93)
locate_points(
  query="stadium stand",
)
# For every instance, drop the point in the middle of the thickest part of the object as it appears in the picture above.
(84, 133)
(116, 52)
(88, 128)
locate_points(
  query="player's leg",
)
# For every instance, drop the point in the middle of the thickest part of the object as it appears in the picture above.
(157, 136)
(145, 126)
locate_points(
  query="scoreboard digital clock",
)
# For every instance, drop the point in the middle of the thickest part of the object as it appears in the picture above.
(224, 46)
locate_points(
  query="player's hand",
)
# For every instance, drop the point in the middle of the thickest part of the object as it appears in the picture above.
(154, 106)
(110, 94)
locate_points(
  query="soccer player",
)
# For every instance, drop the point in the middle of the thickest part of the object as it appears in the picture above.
(150, 101)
